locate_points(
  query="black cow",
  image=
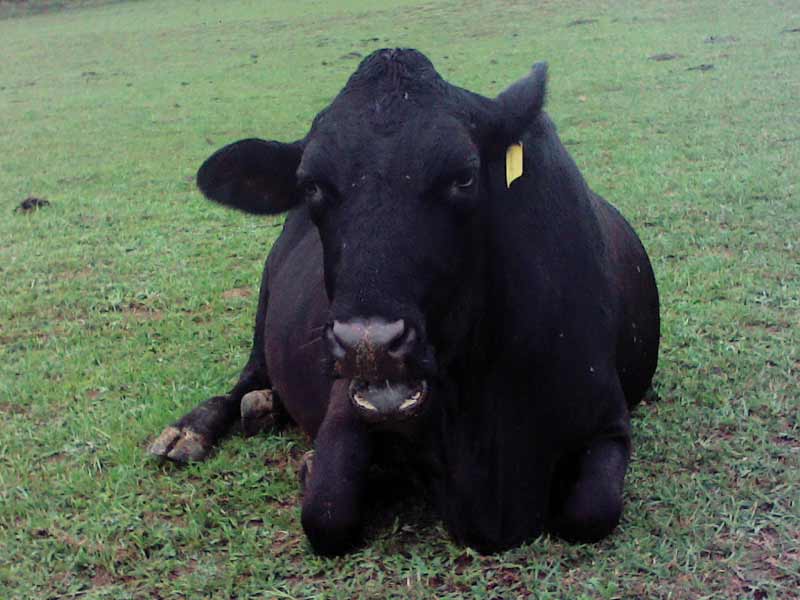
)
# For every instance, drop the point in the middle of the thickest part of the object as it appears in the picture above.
(492, 336)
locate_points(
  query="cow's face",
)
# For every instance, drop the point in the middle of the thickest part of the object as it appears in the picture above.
(393, 176)
(394, 210)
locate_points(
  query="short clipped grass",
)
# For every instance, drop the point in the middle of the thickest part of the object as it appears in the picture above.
(130, 299)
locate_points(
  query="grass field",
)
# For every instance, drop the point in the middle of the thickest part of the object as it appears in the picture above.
(129, 299)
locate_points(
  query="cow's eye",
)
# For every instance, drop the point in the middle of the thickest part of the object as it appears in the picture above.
(311, 191)
(464, 180)
(465, 183)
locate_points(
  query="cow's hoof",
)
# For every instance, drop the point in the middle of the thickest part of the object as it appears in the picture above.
(180, 445)
(258, 412)
(332, 528)
(304, 472)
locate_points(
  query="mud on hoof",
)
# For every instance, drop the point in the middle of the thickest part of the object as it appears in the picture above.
(259, 410)
(181, 445)
(305, 469)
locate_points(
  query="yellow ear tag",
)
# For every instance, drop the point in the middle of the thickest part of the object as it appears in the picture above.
(513, 163)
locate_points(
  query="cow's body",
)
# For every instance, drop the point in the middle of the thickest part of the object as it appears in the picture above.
(546, 339)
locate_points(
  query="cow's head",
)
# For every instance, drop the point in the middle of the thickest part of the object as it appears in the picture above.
(394, 174)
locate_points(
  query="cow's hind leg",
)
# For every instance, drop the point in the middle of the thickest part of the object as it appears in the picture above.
(587, 505)
(192, 437)
(260, 410)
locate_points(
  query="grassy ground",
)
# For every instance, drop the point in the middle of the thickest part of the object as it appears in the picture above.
(129, 299)
(21, 8)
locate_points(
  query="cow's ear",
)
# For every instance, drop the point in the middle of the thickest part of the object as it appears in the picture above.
(520, 104)
(252, 175)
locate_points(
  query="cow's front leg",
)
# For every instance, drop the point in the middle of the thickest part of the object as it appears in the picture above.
(335, 485)
(586, 502)
(192, 437)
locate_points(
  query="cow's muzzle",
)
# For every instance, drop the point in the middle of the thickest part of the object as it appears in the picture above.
(375, 355)
(387, 401)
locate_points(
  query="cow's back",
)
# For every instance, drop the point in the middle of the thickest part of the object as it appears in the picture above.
(634, 286)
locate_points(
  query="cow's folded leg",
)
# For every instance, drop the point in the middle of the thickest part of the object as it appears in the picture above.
(260, 410)
(591, 498)
(192, 437)
(334, 488)
(305, 469)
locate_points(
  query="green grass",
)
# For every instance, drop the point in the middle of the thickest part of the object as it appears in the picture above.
(20, 8)
(130, 299)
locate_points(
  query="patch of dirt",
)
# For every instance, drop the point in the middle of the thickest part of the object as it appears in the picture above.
(12, 408)
(725, 432)
(462, 562)
(288, 504)
(664, 56)
(203, 315)
(69, 540)
(508, 578)
(154, 518)
(774, 557)
(284, 541)
(774, 327)
(787, 439)
(102, 577)
(61, 580)
(280, 461)
(721, 39)
(737, 587)
(72, 275)
(703, 67)
(768, 556)
(142, 311)
(187, 569)
(241, 292)
(30, 204)
(56, 457)
(350, 56)
(124, 554)
(577, 22)
(791, 30)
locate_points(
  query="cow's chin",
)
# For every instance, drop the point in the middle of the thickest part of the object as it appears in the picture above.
(387, 402)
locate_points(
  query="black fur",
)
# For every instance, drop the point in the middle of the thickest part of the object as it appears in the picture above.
(536, 306)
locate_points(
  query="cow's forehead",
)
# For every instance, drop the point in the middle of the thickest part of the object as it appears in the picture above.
(415, 141)
(400, 67)
(389, 88)
(394, 112)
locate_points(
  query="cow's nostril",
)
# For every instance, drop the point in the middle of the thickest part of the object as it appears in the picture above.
(335, 343)
(401, 346)
(348, 335)
(382, 335)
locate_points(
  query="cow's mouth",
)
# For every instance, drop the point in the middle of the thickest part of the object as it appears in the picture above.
(388, 400)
